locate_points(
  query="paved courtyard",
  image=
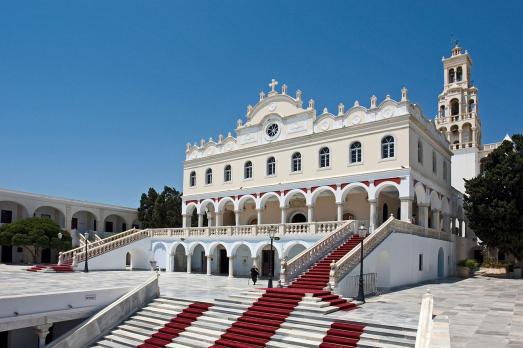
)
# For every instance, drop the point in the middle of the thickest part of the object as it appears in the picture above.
(482, 312)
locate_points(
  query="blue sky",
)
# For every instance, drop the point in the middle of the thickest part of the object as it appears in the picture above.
(99, 98)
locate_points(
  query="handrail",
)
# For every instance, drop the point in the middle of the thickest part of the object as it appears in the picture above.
(344, 265)
(69, 255)
(424, 333)
(94, 328)
(292, 268)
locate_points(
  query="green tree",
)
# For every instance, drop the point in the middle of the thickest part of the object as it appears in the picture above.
(161, 209)
(35, 234)
(494, 199)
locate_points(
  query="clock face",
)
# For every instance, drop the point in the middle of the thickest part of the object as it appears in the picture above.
(272, 130)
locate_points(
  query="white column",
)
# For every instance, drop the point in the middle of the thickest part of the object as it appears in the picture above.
(209, 265)
(231, 265)
(200, 220)
(310, 213)
(184, 220)
(42, 331)
(406, 209)
(461, 136)
(372, 215)
(446, 222)
(283, 215)
(423, 213)
(219, 219)
(237, 216)
(339, 214)
(435, 219)
(189, 266)
(260, 215)
(255, 262)
(452, 225)
(210, 218)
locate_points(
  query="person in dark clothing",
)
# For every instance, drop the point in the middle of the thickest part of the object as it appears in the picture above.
(254, 274)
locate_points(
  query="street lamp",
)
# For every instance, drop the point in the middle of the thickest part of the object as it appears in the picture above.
(362, 232)
(272, 235)
(86, 266)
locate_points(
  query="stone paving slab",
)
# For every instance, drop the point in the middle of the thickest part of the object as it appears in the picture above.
(482, 312)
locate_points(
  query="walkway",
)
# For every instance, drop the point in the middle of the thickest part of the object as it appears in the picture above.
(483, 312)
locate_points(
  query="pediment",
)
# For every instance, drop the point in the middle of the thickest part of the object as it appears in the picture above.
(281, 105)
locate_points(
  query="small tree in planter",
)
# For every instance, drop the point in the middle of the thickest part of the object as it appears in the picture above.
(467, 267)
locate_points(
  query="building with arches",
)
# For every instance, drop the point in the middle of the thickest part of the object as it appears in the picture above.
(72, 215)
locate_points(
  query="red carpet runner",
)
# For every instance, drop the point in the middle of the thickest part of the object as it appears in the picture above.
(178, 324)
(342, 335)
(259, 323)
(65, 267)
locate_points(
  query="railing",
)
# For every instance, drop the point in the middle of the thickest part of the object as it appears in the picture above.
(69, 255)
(369, 284)
(302, 261)
(424, 333)
(347, 263)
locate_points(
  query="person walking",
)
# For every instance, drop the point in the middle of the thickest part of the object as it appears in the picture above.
(254, 274)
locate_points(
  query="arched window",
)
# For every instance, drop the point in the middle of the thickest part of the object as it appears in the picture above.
(227, 173)
(420, 152)
(459, 74)
(296, 162)
(387, 147)
(451, 75)
(192, 179)
(208, 176)
(271, 166)
(325, 160)
(355, 152)
(454, 107)
(472, 105)
(247, 170)
(442, 111)
(434, 163)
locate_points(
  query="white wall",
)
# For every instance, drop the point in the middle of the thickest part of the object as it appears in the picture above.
(140, 251)
(398, 254)
(465, 165)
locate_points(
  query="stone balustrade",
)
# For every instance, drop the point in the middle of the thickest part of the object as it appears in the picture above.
(301, 262)
(121, 239)
(344, 265)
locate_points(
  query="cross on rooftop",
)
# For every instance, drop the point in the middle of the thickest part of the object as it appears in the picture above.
(272, 85)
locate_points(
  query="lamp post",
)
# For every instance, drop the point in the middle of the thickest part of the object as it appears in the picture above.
(86, 265)
(362, 232)
(272, 235)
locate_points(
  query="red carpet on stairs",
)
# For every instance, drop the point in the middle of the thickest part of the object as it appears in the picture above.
(317, 277)
(65, 267)
(342, 335)
(261, 320)
(178, 324)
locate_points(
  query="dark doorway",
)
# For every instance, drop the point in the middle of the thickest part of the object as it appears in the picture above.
(46, 255)
(7, 254)
(224, 263)
(124, 227)
(385, 212)
(108, 226)
(478, 255)
(298, 218)
(203, 261)
(266, 263)
(6, 217)
(74, 223)
(4, 338)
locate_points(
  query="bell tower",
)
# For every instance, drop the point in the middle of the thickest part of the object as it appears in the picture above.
(458, 116)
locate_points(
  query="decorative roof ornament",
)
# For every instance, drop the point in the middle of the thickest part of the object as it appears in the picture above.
(387, 97)
(211, 140)
(273, 85)
(262, 95)
(187, 147)
(239, 123)
(356, 103)
(284, 89)
(325, 110)
(341, 109)
(220, 138)
(249, 110)
(229, 135)
(202, 142)
(373, 102)
(311, 104)
(404, 96)
(299, 102)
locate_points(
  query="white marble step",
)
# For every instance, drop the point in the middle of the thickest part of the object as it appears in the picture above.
(154, 315)
(163, 311)
(304, 327)
(188, 342)
(130, 335)
(291, 341)
(401, 342)
(206, 335)
(365, 343)
(373, 330)
(142, 324)
(149, 319)
(109, 344)
(123, 340)
(138, 330)
(166, 305)
(204, 324)
(308, 334)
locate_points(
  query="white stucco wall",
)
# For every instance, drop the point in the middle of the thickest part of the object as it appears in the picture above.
(396, 261)
(465, 165)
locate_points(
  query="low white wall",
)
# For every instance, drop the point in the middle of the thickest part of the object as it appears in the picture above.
(396, 261)
(115, 260)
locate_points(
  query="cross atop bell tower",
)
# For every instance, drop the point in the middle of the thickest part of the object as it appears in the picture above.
(458, 116)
